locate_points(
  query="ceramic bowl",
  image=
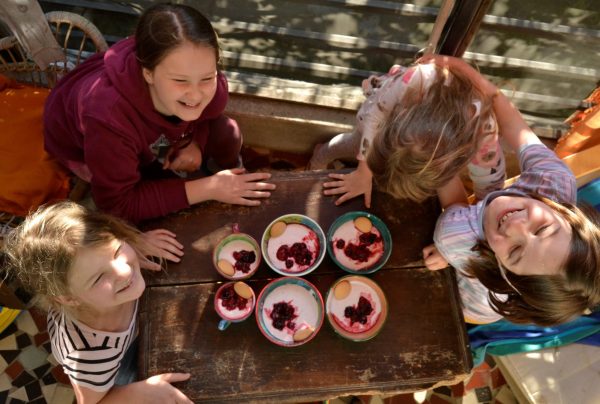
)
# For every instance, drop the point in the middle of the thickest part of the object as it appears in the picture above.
(377, 253)
(236, 315)
(336, 308)
(298, 228)
(228, 246)
(307, 316)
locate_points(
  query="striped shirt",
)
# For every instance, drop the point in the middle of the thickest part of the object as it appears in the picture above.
(90, 358)
(460, 227)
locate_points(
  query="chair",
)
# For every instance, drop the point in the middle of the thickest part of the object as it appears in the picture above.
(75, 35)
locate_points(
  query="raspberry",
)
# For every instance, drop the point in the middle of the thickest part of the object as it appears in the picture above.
(360, 312)
(243, 259)
(282, 315)
(340, 244)
(231, 300)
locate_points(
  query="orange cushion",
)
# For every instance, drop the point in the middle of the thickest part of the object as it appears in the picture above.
(28, 176)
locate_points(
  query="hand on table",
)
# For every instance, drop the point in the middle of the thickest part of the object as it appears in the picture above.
(163, 245)
(158, 389)
(433, 259)
(358, 182)
(235, 187)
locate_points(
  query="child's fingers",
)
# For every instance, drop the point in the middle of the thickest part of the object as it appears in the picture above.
(336, 176)
(430, 249)
(256, 194)
(262, 186)
(152, 266)
(335, 191)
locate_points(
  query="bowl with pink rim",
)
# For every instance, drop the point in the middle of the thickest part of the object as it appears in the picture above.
(289, 311)
(293, 245)
(356, 307)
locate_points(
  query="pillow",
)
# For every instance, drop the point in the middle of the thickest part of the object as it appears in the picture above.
(29, 177)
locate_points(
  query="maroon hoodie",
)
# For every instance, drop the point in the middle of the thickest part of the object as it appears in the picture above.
(101, 114)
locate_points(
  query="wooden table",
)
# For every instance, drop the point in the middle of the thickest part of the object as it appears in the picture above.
(422, 344)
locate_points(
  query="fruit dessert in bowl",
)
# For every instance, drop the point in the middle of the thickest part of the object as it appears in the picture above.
(237, 256)
(234, 302)
(293, 245)
(359, 242)
(356, 307)
(289, 311)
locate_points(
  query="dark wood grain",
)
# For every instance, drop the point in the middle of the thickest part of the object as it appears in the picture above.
(423, 343)
(410, 224)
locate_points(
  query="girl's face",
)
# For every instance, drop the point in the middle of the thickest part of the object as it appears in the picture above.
(105, 277)
(184, 82)
(527, 236)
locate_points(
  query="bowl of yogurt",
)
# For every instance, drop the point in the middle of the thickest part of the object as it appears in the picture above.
(289, 311)
(234, 302)
(356, 307)
(293, 245)
(237, 256)
(359, 242)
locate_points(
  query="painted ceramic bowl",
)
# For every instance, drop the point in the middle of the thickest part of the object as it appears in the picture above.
(237, 256)
(356, 307)
(289, 311)
(293, 245)
(359, 242)
(234, 302)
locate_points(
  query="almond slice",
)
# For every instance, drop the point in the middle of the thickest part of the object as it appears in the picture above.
(242, 290)
(277, 229)
(342, 290)
(226, 267)
(303, 333)
(363, 224)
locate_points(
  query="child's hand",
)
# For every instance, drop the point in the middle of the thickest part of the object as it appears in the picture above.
(433, 259)
(164, 245)
(158, 389)
(235, 187)
(358, 182)
(186, 159)
(458, 64)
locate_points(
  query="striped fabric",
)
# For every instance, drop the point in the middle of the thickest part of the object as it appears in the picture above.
(90, 358)
(459, 228)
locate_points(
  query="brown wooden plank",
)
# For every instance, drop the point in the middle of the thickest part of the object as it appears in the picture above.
(410, 224)
(423, 343)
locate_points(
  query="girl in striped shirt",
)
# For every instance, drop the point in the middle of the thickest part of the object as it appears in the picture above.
(526, 252)
(84, 267)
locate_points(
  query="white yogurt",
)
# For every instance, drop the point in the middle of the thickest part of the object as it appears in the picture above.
(350, 234)
(337, 307)
(305, 306)
(294, 233)
(226, 253)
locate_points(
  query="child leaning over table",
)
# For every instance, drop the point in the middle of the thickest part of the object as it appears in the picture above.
(526, 252)
(418, 127)
(84, 268)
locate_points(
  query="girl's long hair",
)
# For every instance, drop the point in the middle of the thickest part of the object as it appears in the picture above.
(40, 252)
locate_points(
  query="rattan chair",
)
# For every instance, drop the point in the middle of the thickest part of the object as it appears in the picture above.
(77, 37)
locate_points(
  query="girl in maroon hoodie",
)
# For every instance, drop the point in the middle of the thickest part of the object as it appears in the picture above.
(127, 119)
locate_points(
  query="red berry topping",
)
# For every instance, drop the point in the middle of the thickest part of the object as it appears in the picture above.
(360, 312)
(231, 300)
(282, 315)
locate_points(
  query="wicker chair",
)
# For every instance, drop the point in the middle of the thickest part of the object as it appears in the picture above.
(77, 37)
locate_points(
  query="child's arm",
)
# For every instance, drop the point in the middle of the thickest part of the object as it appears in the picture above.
(358, 182)
(156, 389)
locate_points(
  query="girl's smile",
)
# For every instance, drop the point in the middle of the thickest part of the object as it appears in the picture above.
(527, 236)
(184, 82)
